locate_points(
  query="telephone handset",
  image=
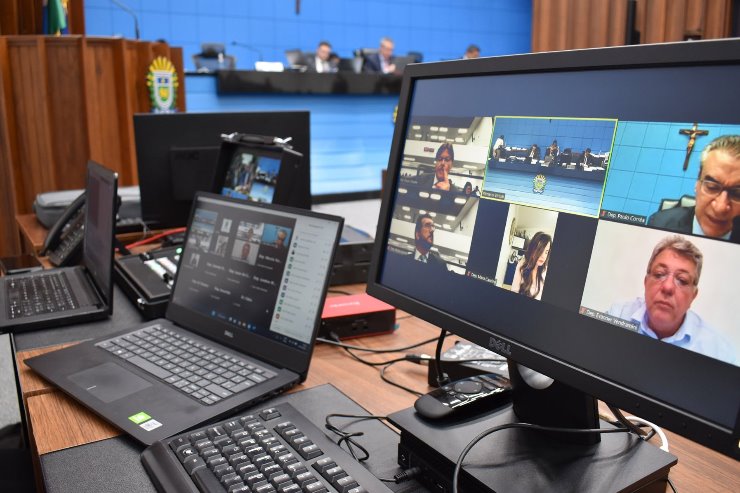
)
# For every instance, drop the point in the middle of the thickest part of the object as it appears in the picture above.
(63, 244)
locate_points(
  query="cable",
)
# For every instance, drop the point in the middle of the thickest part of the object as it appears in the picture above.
(527, 426)
(391, 382)
(349, 438)
(337, 291)
(673, 486)
(336, 342)
(655, 428)
(156, 237)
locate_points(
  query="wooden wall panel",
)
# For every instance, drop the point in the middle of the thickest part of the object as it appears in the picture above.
(105, 75)
(66, 100)
(9, 239)
(34, 165)
(572, 24)
(67, 112)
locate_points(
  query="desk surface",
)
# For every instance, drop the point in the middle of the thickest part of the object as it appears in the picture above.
(50, 412)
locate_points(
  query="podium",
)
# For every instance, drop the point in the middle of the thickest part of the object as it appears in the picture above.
(64, 100)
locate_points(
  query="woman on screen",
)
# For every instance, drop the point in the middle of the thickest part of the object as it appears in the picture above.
(529, 276)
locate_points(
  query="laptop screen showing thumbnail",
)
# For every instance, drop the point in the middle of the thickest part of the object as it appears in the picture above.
(257, 270)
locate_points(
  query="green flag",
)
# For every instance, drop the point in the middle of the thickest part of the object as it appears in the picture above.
(57, 17)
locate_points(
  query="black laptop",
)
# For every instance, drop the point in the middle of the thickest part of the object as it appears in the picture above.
(68, 295)
(240, 325)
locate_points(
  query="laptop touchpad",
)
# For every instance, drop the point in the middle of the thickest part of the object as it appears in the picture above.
(109, 382)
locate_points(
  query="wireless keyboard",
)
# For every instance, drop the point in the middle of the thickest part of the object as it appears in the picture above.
(273, 450)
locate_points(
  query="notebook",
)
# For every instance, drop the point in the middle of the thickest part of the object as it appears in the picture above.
(240, 326)
(68, 295)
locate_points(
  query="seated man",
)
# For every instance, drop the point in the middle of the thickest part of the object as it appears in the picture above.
(717, 191)
(382, 61)
(671, 285)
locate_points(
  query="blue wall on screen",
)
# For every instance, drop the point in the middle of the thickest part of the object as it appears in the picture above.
(439, 29)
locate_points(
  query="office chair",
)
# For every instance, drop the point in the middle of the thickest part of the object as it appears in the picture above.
(213, 57)
(683, 201)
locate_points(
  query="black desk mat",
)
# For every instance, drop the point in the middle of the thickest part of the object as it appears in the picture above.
(113, 465)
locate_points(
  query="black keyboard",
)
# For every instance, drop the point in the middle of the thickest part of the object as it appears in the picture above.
(205, 373)
(273, 450)
(39, 294)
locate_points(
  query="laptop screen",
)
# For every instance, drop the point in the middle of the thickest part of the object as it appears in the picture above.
(100, 192)
(255, 269)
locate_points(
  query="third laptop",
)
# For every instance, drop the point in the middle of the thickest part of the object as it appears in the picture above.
(240, 326)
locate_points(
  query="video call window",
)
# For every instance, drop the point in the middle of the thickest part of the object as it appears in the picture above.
(663, 284)
(557, 163)
(251, 177)
(566, 209)
(436, 206)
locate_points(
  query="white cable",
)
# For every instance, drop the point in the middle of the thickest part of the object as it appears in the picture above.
(656, 428)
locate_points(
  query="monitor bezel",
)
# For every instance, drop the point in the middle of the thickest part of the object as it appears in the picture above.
(668, 414)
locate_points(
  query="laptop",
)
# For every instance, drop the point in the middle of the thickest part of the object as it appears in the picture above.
(240, 325)
(70, 295)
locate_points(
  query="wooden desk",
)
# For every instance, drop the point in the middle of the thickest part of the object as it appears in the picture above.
(56, 422)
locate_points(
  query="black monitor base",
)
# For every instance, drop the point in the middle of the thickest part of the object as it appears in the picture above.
(525, 460)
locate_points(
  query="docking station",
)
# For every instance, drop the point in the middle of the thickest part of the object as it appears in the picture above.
(356, 316)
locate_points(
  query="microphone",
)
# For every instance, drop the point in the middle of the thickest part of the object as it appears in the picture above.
(129, 11)
(250, 48)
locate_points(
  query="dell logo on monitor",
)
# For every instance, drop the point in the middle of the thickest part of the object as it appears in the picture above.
(500, 347)
(229, 334)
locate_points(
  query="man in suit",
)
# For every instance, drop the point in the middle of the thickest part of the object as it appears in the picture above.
(443, 162)
(424, 240)
(587, 159)
(382, 61)
(717, 190)
(321, 61)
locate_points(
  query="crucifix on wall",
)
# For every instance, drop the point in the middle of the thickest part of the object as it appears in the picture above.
(692, 132)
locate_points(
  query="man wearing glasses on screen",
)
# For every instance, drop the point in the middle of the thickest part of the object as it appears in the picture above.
(671, 285)
(717, 210)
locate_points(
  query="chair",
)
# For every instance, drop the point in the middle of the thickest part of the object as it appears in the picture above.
(683, 201)
(213, 57)
(296, 59)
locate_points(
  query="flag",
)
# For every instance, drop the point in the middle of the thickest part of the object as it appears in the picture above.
(55, 17)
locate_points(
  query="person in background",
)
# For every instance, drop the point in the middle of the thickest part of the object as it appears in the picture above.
(472, 51)
(382, 61)
(423, 242)
(321, 62)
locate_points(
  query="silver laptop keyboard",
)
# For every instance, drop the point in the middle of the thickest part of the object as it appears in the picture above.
(198, 370)
(39, 294)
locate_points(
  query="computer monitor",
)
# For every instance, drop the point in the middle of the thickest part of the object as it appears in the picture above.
(177, 154)
(255, 172)
(552, 262)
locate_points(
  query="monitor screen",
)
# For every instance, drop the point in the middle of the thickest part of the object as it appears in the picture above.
(577, 212)
(177, 155)
(251, 176)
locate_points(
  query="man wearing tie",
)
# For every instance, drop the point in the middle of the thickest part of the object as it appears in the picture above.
(321, 62)
(424, 240)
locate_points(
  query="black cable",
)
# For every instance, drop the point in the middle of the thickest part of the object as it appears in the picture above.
(391, 382)
(673, 486)
(476, 360)
(403, 317)
(626, 422)
(349, 438)
(369, 350)
(527, 426)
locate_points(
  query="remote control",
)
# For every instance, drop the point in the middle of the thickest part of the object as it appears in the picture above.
(470, 394)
